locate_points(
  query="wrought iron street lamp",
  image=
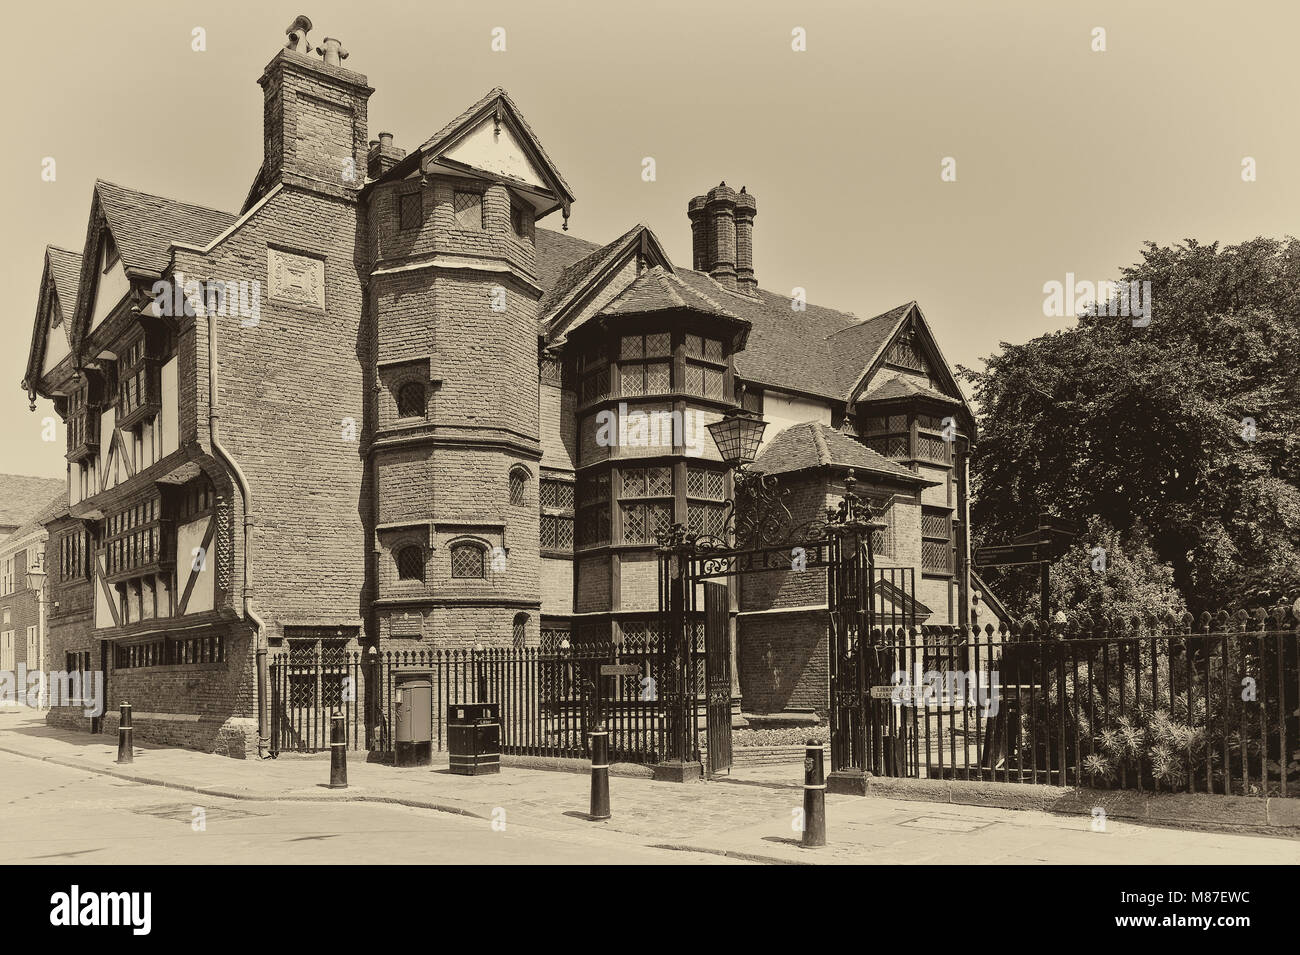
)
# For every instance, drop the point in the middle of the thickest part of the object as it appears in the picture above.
(738, 436)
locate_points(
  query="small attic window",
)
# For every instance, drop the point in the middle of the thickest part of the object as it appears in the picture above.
(517, 221)
(107, 252)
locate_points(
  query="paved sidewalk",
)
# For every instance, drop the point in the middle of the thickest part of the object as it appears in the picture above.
(748, 816)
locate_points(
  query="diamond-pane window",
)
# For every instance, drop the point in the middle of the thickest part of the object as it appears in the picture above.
(634, 525)
(556, 532)
(936, 556)
(658, 378)
(410, 210)
(632, 379)
(469, 210)
(557, 494)
(935, 525)
(410, 563)
(410, 400)
(467, 561)
(518, 486)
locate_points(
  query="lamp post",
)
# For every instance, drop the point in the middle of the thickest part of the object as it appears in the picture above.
(737, 436)
(36, 581)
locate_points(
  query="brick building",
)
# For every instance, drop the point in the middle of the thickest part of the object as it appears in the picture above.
(26, 503)
(381, 405)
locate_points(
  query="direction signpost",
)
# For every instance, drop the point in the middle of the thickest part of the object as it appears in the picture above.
(1041, 546)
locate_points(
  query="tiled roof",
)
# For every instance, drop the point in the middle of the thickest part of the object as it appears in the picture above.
(144, 226)
(900, 386)
(65, 270)
(852, 348)
(556, 251)
(53, 508)
(22, 497)
(809, 351)
(817, 351)
(656, 290)
(815, 445)
(576, 272)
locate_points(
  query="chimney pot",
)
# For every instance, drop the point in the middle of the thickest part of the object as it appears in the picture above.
(386, 139)
(297, 35)
(332, 51)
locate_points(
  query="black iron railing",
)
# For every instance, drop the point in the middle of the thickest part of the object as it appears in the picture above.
(549, 699)
(1160, 706)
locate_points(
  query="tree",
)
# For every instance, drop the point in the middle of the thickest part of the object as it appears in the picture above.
(1105, 574)
(1190, 425)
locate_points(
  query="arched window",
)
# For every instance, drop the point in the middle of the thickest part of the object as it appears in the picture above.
(518, 485)
(520, 630)
(410, 562)
(410, 400)
(467, 560)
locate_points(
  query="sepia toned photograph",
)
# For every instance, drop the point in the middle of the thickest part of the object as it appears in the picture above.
(673, 434)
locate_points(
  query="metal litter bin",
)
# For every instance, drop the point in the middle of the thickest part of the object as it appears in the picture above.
(474, 738)
(413, 717)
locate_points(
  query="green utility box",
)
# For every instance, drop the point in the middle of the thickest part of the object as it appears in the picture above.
(413, 717)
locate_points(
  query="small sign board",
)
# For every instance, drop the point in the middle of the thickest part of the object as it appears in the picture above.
(1005, 554)
(892, 690)
(620, 669)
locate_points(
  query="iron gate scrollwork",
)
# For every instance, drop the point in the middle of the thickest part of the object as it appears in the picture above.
(760, 535)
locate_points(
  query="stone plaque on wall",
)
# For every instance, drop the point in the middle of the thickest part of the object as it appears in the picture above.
(406, 624)
(295, 278)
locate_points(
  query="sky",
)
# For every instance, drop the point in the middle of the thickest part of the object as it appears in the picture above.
(1067, 158)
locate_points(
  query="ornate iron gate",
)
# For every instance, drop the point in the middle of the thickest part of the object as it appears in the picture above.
(717, 675)
(759, 535)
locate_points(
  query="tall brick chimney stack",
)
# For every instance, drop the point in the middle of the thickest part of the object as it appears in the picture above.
(746, 209)
(699, 234)
(383, 156)
(314, 118)
(721, 211)
(722, 236)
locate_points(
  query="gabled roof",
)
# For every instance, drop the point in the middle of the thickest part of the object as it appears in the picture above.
(22, 497)
(144, 226)
(53, 508)
(812, 444)
(574, 276)
(556, 251)
(658, 290)
(591, 271)
(901, 386)
(855, 347)
(65, 271)
(496, 103)
(60, 278)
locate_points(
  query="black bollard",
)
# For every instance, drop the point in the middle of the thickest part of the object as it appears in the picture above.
(599, 775)
(814, 797)
(338, 753)
(125, 738)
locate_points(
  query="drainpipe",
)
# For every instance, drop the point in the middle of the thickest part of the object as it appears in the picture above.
(263, 716)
